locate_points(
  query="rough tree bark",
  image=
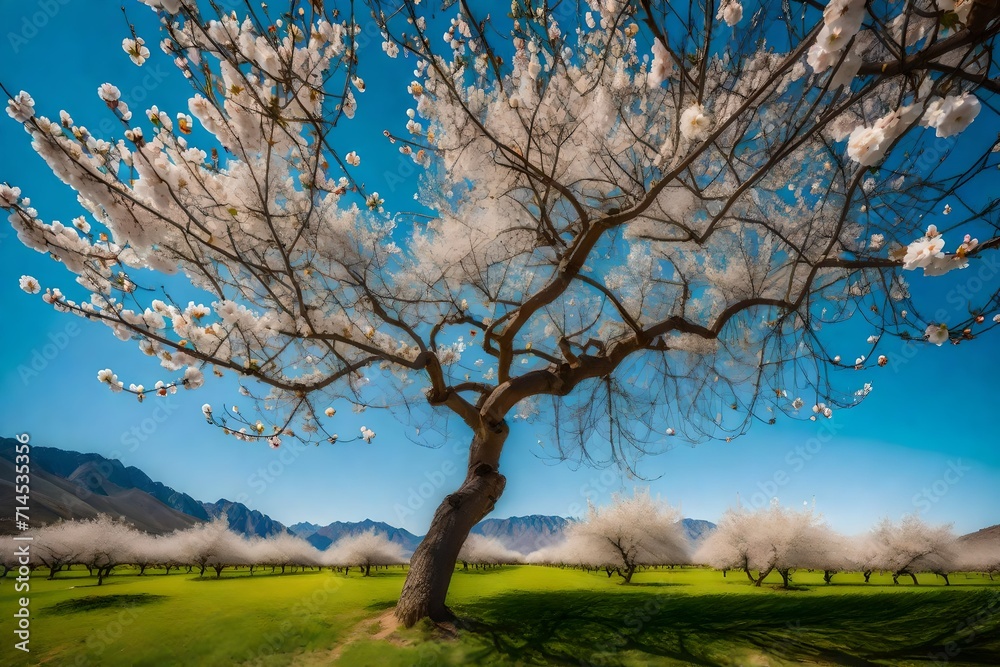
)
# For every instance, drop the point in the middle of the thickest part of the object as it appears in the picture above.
(433, 563)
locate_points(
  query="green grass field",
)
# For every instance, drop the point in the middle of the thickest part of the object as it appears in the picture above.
(511, 616)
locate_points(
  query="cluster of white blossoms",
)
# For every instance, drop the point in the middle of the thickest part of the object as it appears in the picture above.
(822, 409)
(367, 434)
(21, 107)
(951, 115)
(352, 159)
(730, 11)
(108, 377)
(9, 195)
(842, 20)
(868, 145)
(927, 253)
(661, 66)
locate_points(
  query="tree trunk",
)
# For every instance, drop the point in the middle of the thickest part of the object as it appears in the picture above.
(629, 571)
(368, 570)
(868, 574)
(433, 563)
(944, 575)
(761, 576)
(827, 575)
(784, 578)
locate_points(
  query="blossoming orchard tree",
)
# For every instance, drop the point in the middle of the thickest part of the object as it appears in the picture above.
(636, 219)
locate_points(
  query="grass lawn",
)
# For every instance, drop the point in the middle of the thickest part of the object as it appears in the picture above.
(511, 616)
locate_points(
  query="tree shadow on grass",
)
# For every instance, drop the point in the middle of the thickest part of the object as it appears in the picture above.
(97, 602)
(381, 605)
(588, 628)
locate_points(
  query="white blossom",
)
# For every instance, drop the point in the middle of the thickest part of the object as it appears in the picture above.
(135, 49)
(109, 93)
(696, 124)
(730, 11)
(661, 66)
(936, 333)
(21, 108)
(951, 115)
(30, 285)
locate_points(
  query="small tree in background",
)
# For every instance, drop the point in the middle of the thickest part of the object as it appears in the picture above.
(480, 550)
(632, 531)
(910, 546)
(214, 545)
(364, 550)
(768, 539)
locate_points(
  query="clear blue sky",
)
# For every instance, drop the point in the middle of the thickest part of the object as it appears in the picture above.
(890, 456)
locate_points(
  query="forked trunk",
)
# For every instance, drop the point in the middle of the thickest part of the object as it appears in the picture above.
(784, 578)
(433, 563)
(761, 576)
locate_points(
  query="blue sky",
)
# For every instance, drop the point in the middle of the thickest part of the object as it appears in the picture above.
(924, 440)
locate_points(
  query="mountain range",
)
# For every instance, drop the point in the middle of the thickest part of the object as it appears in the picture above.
(71, 485)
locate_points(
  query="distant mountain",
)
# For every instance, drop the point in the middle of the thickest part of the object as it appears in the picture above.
(69, 485)
(524, 533)
(304, 528)
(991, 534)
(697, 529)
(323, 536)
(244, 520)
(530, 533)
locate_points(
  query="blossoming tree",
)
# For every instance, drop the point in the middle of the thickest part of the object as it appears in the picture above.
(642, 213)
(632, 531)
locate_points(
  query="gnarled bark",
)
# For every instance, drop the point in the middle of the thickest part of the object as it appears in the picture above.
(433, 563)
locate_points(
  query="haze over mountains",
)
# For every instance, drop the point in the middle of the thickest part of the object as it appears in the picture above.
(71, 485)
